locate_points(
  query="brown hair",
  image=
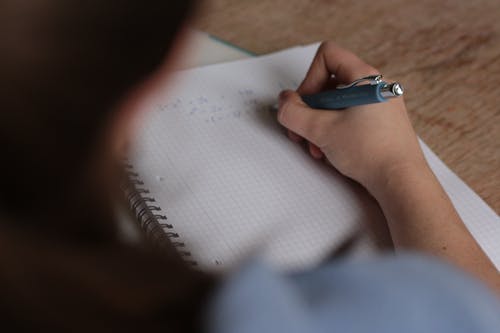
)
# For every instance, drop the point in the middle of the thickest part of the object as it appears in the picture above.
(64, 66)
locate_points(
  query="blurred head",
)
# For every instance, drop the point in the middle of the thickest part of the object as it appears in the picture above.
(68, 71)
(70, 74)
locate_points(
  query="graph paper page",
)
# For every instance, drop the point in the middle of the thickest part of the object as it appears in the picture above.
(232, 185)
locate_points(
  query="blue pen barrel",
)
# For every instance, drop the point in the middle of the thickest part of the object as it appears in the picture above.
(344, 98)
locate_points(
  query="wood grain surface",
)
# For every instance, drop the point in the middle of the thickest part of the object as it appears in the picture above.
(446, 53)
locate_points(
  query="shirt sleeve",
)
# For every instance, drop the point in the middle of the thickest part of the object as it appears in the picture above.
(403, 293)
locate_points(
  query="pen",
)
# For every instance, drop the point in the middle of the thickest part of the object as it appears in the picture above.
(355, 93)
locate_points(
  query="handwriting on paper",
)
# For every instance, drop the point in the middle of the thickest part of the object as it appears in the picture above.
(230, 106)
(212, 110)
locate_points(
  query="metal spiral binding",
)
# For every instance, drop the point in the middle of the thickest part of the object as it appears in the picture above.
(149, 215)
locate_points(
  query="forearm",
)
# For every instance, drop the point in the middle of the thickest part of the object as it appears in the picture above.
(421, 217)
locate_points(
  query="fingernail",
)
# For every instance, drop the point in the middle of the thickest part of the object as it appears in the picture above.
(282, 97)
(282, 94)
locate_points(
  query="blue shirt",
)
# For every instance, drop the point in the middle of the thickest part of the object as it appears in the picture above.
(390, 294)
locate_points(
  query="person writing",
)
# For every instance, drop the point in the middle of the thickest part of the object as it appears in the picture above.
(72, 76)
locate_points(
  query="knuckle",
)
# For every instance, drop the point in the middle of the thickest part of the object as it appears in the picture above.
(327, 46)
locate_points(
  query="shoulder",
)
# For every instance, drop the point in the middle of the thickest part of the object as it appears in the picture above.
(390, 293)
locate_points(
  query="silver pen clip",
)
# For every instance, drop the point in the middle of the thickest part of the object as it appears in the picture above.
(371, 79)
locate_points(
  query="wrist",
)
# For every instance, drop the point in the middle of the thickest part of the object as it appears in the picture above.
(385, 184)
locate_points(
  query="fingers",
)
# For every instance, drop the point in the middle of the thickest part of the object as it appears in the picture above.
(295, 137)
(303, 121)
(315, 151)
(330, 60)
(331, 65)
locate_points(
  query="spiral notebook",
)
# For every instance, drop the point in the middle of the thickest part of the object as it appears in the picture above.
(214, 173)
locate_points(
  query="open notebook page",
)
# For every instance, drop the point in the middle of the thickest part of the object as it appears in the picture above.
(233, 185)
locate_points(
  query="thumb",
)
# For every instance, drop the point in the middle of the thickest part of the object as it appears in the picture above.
(295, 115)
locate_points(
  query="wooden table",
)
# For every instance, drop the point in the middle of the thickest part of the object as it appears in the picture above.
(447, 54)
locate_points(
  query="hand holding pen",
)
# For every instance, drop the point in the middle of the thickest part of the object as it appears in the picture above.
(363, 141)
